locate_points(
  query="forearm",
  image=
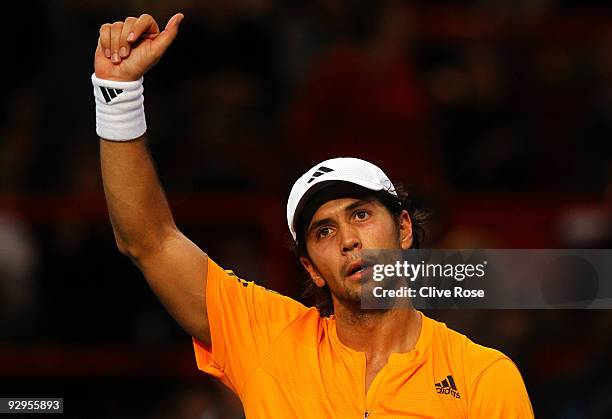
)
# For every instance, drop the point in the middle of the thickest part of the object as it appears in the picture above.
(138, 208)
(175, 268)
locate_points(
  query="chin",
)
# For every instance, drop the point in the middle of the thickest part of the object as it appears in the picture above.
(348, 293)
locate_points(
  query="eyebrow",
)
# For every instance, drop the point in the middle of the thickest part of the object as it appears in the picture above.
(327, 220)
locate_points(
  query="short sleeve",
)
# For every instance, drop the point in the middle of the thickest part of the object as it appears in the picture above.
(499, 392)
(244, 320)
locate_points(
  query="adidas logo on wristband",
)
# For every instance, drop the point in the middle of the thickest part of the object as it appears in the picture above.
(110, 94)
(119, 109)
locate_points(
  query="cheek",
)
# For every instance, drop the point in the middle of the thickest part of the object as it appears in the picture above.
(380, 234)
(325, 259)
(320, 255)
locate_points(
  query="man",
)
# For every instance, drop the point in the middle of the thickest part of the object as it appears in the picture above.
(281, 358)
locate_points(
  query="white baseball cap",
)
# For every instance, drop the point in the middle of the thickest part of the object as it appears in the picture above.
(344, 169)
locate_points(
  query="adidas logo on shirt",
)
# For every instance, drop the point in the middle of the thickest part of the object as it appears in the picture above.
(320, 171)
(447, 386)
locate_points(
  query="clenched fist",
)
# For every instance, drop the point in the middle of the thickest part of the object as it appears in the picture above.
(126, 50)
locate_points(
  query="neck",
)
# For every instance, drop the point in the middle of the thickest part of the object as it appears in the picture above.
(377, 333)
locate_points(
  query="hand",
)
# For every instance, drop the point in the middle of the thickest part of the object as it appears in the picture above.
(127, 50)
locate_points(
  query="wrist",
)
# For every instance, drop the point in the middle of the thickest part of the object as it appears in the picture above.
(111, 77)
(119, 108)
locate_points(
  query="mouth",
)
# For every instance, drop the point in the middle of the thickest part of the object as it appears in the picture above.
(356, 270)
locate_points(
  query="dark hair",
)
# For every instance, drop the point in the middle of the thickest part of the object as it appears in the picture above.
(321, 297)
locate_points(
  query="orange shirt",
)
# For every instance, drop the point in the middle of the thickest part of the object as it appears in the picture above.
(284, 361)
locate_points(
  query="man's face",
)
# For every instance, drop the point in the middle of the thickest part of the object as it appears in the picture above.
(339, 230)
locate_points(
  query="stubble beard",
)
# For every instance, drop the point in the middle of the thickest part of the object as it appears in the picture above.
(351, 299)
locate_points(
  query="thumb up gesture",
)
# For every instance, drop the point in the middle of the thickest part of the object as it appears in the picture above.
(126, 50)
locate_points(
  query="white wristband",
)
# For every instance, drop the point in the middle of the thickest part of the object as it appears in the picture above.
(119, 109)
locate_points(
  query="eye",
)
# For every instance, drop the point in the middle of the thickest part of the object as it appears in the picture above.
(362, 215)
(323, 232)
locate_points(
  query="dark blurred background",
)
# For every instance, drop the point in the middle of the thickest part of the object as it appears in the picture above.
(496, 115)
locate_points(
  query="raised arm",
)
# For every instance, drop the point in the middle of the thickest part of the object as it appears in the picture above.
(144, 229)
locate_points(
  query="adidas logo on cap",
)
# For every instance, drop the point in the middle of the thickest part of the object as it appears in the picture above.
(320, 171)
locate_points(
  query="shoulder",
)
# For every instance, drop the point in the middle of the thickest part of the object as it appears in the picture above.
(472, 357)
(492, 381)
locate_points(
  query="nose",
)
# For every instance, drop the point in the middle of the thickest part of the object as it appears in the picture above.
(350, 240)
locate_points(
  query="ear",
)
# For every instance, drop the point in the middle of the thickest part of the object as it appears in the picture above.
(405, 230)
(313, 272)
